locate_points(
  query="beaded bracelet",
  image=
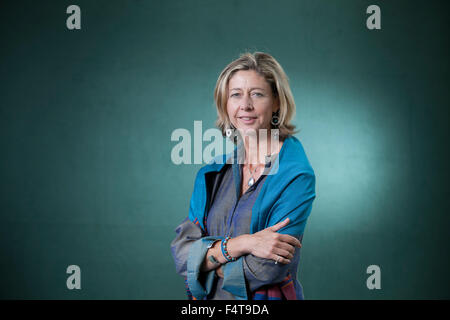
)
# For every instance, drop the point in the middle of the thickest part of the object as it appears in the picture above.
(223, 246)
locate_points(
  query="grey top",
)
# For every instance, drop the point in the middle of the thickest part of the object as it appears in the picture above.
(230, 214)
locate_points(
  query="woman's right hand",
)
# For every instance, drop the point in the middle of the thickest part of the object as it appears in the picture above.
(270, 244)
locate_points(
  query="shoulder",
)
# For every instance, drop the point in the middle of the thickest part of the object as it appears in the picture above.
(293, 175)
(293, 157)
(293, 163)
(214, 165)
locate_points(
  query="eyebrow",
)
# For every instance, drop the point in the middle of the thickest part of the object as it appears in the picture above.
(250, 89)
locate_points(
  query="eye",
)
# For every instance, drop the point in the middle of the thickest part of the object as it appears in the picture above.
(259, 94)
(234, 94)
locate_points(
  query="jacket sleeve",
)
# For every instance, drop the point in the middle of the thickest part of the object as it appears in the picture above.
(188, 250)
(188, 231)
(200, 283)
(186, 234)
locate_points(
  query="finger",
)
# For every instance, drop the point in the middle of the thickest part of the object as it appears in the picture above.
(283, 253)
(291, 240)
(280, 225)
(278, 259)
(286, 246)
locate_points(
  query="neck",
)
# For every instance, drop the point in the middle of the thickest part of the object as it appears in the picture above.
(257, 147)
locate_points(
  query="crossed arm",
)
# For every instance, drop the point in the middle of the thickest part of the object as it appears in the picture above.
(267, 243)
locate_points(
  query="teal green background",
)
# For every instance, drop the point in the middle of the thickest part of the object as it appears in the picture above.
(86, 118)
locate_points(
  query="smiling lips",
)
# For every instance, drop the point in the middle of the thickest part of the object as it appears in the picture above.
(247, 120)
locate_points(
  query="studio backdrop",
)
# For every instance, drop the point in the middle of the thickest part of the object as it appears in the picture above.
(92, 91)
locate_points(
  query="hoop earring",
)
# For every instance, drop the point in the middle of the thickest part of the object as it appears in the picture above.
(275, 118)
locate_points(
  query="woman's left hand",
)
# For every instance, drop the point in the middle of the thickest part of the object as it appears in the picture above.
(270, 244)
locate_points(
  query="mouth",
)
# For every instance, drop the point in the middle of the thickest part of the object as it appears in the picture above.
(247, 120)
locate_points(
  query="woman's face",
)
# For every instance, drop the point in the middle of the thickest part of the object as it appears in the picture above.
(250, 101)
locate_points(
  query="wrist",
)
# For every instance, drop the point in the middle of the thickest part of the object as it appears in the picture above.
(216, 250)
(241, 245)
(248, 241)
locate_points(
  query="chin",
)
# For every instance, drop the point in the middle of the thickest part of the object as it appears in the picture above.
(249, 128)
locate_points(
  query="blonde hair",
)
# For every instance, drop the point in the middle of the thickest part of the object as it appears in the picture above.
(271, 70)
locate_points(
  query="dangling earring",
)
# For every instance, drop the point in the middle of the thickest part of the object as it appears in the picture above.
(275, 118)
(275, 122)
(230, 131)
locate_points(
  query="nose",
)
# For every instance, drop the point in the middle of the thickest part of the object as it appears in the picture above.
(246, 103)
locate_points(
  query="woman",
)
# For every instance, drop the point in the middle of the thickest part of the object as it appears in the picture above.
(248, 210)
